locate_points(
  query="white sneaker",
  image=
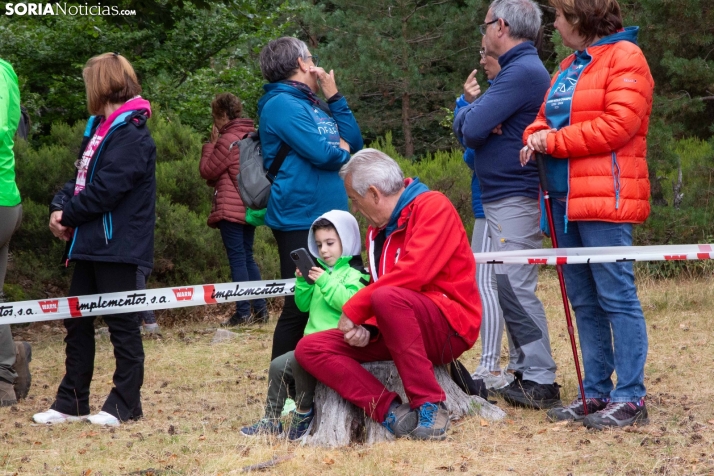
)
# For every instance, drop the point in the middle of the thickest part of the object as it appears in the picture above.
(103, 419)
(54, 417)
(493, 382)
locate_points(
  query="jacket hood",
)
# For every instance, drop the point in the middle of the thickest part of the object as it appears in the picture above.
(135, 104)
(628, 34)
(273, 89)
(413, 189)
(237, 124)
(348, 229)
(119, 116)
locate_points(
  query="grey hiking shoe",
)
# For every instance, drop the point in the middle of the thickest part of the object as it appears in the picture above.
(400, 420)
(23, 357)
(574, 411)
(433, 422)
(618, 414)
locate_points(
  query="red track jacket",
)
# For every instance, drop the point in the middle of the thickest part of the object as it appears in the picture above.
(429, 252)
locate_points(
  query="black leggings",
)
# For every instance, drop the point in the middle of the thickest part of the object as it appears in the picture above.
(292, 321)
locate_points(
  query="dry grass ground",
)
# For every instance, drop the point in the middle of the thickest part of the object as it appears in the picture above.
(197, 396)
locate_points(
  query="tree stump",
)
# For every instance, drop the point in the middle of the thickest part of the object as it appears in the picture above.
(339, 423)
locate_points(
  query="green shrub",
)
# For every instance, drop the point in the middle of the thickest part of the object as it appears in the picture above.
(187, 251)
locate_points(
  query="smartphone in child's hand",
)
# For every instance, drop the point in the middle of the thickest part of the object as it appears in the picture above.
(304, 263)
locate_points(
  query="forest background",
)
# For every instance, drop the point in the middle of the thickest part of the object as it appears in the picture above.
(401, 64)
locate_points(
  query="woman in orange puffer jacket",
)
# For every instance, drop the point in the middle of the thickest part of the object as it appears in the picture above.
(593, 128)
(219, 165)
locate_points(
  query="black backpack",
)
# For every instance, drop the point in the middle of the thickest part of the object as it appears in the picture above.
(463, 379)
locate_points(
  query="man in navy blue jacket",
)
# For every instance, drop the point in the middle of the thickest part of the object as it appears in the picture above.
(493, 126)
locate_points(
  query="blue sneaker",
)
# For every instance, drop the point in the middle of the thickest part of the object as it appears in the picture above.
(300, 424)
(400, 419)
(433, 422)
(266, 426)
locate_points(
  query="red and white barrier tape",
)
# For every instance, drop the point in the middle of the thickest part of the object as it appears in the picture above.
(555, 256)
(145, 300)
(184, 296)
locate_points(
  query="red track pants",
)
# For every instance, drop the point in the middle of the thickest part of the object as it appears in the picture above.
(413, 333)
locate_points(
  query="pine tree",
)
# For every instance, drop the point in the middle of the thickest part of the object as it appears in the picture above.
(400, 62)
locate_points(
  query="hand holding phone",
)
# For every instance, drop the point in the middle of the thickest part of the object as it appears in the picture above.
(304, 263)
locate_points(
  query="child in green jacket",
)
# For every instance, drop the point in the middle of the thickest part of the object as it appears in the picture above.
(334, 239)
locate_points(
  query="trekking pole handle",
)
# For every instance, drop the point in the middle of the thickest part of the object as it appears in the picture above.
(540, 161)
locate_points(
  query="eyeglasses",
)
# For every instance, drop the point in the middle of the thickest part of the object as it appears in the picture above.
(315, 59)
(482, 28)
(482, 52)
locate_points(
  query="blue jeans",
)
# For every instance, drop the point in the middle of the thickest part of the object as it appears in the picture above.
(238, 240)
(611, 325)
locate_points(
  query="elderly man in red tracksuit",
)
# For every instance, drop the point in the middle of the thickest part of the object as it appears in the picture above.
(421, 308)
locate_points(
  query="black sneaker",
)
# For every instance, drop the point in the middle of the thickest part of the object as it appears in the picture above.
(236, 320)
(574, 411)
(261, 317)
(529, 394)
(618, 414)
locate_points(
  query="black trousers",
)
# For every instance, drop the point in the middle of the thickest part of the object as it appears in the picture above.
(292, 322)
(124, 400)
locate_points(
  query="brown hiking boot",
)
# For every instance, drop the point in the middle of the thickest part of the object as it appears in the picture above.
(7, 394)
(23, 357)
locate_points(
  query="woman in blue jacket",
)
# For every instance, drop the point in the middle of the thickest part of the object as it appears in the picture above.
(106, 214)
(321, 135)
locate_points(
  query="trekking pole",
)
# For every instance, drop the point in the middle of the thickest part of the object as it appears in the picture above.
(540, 161)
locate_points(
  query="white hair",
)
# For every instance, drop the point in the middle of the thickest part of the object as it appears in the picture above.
(523, 17)
(372, 167)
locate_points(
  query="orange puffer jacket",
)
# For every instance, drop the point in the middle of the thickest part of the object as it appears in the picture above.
(606, 139)
(219, 166)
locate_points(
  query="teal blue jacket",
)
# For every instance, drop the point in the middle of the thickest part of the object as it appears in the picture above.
(307, 184)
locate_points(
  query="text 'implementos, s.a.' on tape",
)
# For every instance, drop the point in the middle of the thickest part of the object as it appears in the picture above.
(202, 294)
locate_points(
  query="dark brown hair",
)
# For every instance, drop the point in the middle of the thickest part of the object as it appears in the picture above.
(323, 224)
(109, 79)
(228, 104)
(591, 18)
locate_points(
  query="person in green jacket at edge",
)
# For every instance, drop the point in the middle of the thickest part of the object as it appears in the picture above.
(334, 238)
(14, 357)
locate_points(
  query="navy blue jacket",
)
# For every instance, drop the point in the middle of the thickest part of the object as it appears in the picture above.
(513, 100)
(307, 184)
(114, 216)
(469, 158)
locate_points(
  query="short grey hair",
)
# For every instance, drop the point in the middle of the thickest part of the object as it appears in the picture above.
(372, 167)
(523, 17)
(279, 58)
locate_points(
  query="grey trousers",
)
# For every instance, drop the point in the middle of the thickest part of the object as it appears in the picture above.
(10, 219)
(514, 224)
(284, 370)
(491, 316)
